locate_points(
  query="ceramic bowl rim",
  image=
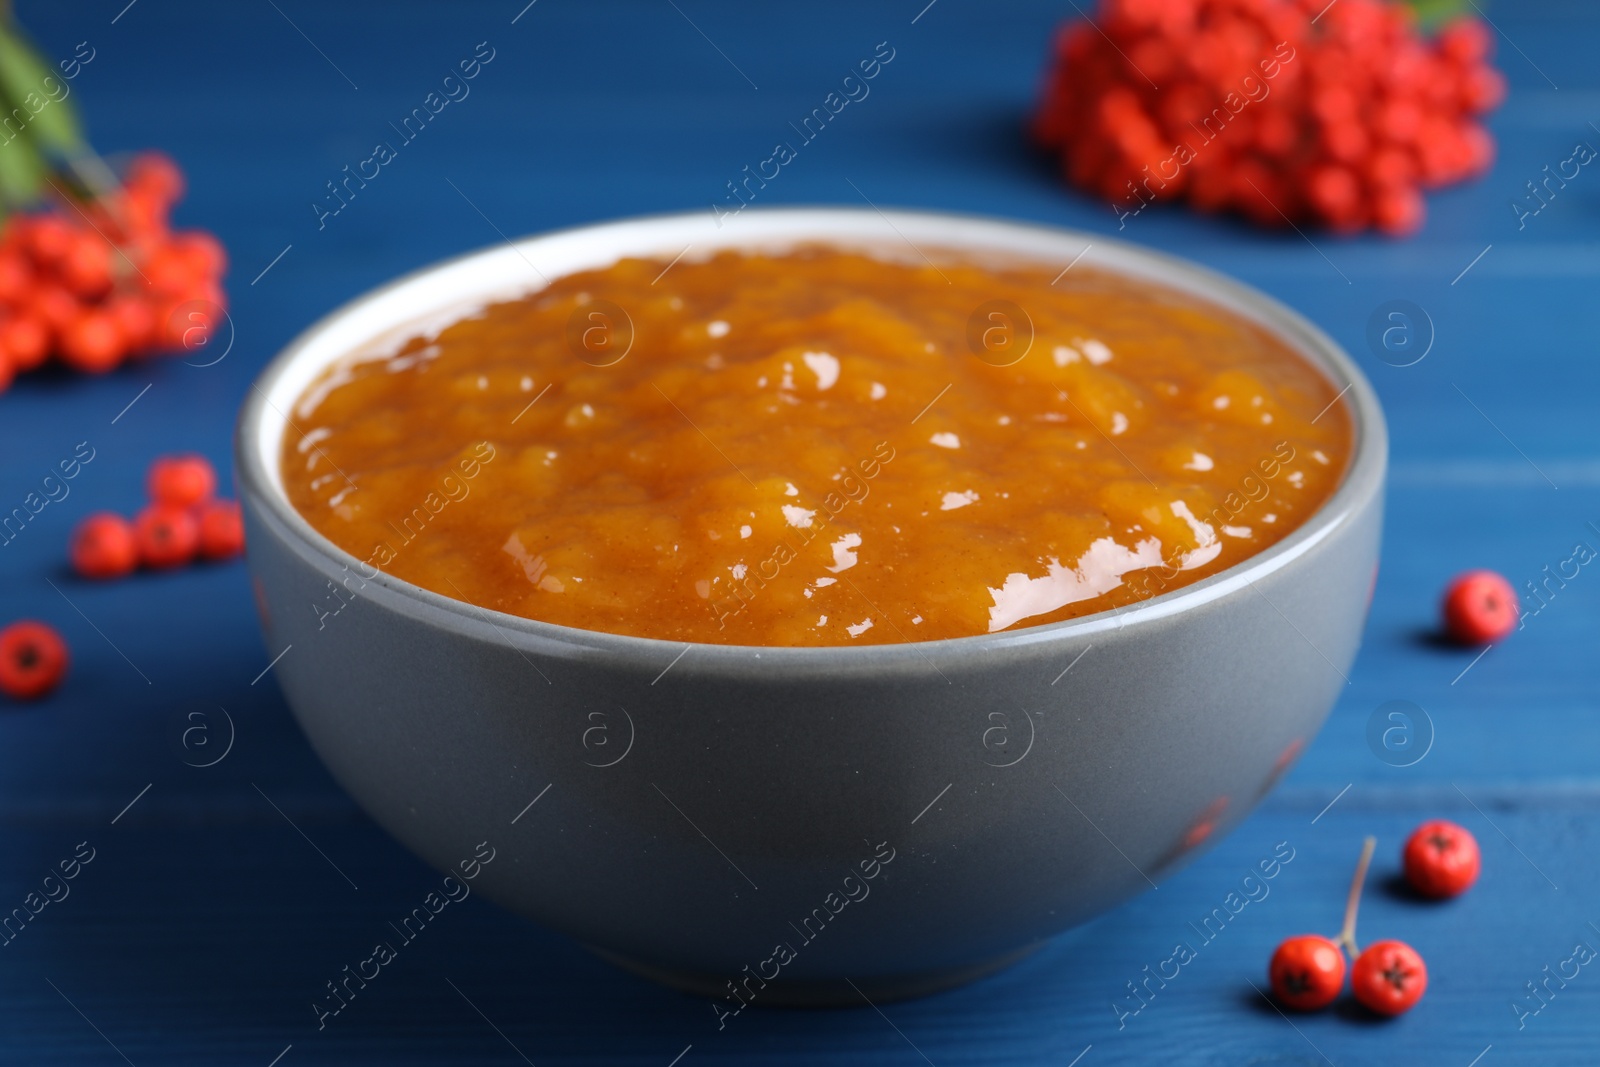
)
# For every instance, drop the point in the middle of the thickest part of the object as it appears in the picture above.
(1362, 479)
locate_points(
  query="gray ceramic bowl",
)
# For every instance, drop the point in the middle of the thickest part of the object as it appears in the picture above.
(792, 825)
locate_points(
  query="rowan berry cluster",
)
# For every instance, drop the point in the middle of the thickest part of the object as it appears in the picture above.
(183, 522)
(95, 282)
(1280, 110)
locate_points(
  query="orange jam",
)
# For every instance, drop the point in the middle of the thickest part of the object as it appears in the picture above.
(818, 447)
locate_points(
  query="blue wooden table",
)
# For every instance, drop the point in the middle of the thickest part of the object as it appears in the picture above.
(206, 922)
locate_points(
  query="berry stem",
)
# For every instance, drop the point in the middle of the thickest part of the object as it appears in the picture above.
(1347, 936)
(93, 173)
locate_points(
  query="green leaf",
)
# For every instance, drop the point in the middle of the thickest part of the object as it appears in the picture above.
(22, 172)
(54, 125)
(1430, 13)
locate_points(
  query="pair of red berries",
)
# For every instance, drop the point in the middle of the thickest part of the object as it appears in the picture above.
(33, 660)
(183, 522)
(1307, 972)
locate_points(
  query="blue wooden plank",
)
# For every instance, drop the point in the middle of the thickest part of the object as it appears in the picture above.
(202, 943)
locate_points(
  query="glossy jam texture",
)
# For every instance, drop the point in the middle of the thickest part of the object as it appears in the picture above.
(818, 447)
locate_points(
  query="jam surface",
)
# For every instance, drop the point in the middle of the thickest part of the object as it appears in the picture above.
(818, 447)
